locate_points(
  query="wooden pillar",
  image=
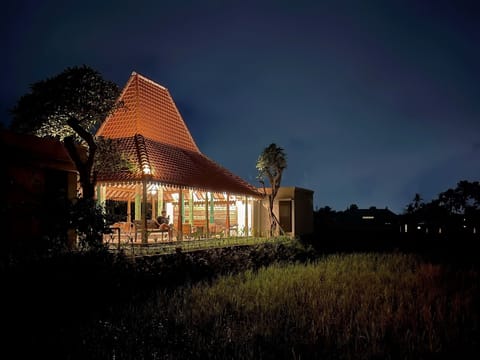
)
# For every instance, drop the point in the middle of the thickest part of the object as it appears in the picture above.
(160, 200)
(101, 195)
(227, 221)
(129, 210)
(206, 214)
(183, 208)
(212, 209)
(190, 208)
(144, 211)
(154, 209)
(210, 215)
(138, 202)
(246, 216)
(180, 216)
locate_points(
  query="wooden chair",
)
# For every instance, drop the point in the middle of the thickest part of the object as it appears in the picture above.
(187, 231)
(151, 228)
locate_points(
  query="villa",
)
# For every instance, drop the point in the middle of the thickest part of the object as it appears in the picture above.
(166, 172)
(201, 198)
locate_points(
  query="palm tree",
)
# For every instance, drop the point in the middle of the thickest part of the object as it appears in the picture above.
(270, 164)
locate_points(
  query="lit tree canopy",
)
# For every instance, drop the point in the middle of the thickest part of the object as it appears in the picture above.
(78, 94)
(69, 107)
(270, 165)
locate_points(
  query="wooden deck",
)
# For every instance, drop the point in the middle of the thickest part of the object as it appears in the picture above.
(127, 233)
(153, 248)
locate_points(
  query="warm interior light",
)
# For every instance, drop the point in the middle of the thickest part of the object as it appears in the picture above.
(195, 196)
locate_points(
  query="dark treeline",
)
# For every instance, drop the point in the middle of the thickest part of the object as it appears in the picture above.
(447, 225)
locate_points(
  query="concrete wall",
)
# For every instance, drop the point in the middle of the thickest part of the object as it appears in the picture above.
(301, 201)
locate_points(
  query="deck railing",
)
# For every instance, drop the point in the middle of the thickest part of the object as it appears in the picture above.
(161, 248)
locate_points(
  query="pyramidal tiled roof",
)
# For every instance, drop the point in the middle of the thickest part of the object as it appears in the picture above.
(171, 157)
(174, 166)
(148, 110)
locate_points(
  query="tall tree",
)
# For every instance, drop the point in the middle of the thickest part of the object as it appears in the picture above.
(270, 165)
(69, 107)
(416, 204)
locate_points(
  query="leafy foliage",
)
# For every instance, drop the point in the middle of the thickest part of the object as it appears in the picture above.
(455, 209)
(108, 156)
(270, 165)
(78, 92)
(69, 107)
(90, 222)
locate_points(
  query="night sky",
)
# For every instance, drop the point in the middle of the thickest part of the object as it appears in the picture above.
(373, 101)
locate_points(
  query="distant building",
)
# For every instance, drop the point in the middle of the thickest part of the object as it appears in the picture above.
(372, 219)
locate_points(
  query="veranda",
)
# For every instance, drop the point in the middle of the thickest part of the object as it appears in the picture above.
(167, 171)
(193, 214)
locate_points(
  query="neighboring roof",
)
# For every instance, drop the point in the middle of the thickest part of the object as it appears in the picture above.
(29, 150)
(148, 110)
(174, 166)
(285, 189)
(371, 211)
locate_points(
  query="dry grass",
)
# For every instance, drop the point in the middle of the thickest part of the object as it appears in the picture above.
(358, 306)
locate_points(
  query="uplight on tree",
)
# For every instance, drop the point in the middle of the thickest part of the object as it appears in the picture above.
(270, 165)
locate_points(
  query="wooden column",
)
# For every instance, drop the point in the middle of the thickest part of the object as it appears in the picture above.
(129, 210)
(227, 221)
(101, 195)
(138, 202)
(180, 216)
(246, 216)
(144, 211)
(154, 209)
(190, 208)
(160, 200)
(212, 208)
(206, 214)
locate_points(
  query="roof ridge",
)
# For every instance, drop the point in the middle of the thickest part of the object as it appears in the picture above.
(150, 110)
(142, 154)
(134, 73)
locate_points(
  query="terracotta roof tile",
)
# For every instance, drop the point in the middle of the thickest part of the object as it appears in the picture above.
(148, 110)
(151, 133)
(171, 165)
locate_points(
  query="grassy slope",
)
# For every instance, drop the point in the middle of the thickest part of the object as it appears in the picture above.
(341, 306)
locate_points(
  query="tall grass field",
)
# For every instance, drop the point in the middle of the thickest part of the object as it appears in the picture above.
(352, 306)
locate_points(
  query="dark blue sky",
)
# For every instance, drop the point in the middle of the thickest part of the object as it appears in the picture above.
(372, 101)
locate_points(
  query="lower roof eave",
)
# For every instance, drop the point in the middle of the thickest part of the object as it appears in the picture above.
(131, 182)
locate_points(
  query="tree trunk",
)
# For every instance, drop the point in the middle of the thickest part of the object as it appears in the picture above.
(272, 217)
(88, 177)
